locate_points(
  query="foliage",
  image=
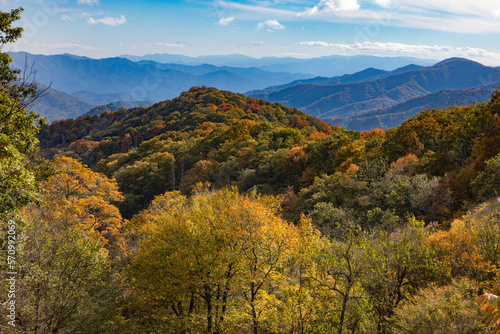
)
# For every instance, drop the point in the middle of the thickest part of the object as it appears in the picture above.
(400, 263)
(211, 259)
(490, 306)
(487, 183)
(66, 279)
(19, 165)
(445, 309)
(377, 240)
(425, 167)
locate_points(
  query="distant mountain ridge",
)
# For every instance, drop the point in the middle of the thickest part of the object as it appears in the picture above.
(365, 75)
(334, 65)
(355, 100)
(111, 107)
(56, 105)
(393, 116)
(371, 97)
(122, 79)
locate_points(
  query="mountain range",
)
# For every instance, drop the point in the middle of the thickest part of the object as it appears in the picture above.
(384, 99)
(56, 105)
(110, 79)
(333, 65)
(376, 96)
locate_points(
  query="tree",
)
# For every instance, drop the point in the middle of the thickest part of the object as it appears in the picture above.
(266, 241)
(487, 183)
(440, 310)
(19, 166)
(188, 260)
(209, 262)
(401, 263)
(83, 199)
(66, 278)
(339, 271)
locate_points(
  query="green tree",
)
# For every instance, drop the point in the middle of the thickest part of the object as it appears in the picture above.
(20, 171)
(487, 183)
(401, 263)
(340, 268)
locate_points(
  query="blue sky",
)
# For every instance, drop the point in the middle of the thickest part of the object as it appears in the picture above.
(434, 29)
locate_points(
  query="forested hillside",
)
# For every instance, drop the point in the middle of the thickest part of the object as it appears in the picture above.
(206, 135)
(217, 213)
(241, 216)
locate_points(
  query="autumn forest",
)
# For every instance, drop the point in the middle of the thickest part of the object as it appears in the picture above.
(215, 212)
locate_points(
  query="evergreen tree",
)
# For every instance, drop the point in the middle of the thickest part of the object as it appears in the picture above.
(19, 166)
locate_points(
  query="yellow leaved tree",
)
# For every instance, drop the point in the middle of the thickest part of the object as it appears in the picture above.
(66, 279)
(208, 263)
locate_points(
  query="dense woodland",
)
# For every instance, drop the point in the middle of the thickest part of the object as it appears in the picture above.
(218, 213)
(432, 166)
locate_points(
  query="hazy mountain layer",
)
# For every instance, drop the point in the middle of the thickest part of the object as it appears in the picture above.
(106, 80)
(56, 105)
(354, 100)
(397, 114)
(334, 65)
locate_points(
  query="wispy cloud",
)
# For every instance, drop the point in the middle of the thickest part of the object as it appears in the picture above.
(272, 25)
(172, 45)
(459, 16)
(62, 46)
(400, 49)
(66, 18)
(331, 7)
(110, 21)
(225, 21)
(261, 8)
(88, 2)
(316, 43)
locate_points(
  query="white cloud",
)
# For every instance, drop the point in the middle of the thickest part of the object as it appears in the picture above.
(62, 46)
(272, 25)
(172, 45)
(332, 7)
(88, 2)
(66, 18)
(110, 21)
(400, 49)
(315, 43)
(458, 16)
(262, 8)
(225, 21)
(383, 3)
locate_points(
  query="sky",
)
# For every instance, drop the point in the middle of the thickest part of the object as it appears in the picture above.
(433, 29)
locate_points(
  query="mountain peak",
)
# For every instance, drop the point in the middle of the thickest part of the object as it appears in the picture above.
(455, 60)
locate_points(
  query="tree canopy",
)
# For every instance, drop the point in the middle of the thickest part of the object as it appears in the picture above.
(19, 164)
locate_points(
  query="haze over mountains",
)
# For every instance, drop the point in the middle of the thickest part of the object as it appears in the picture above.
(114, 79)
(379, 99)
(329, 66)
(380, 92)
